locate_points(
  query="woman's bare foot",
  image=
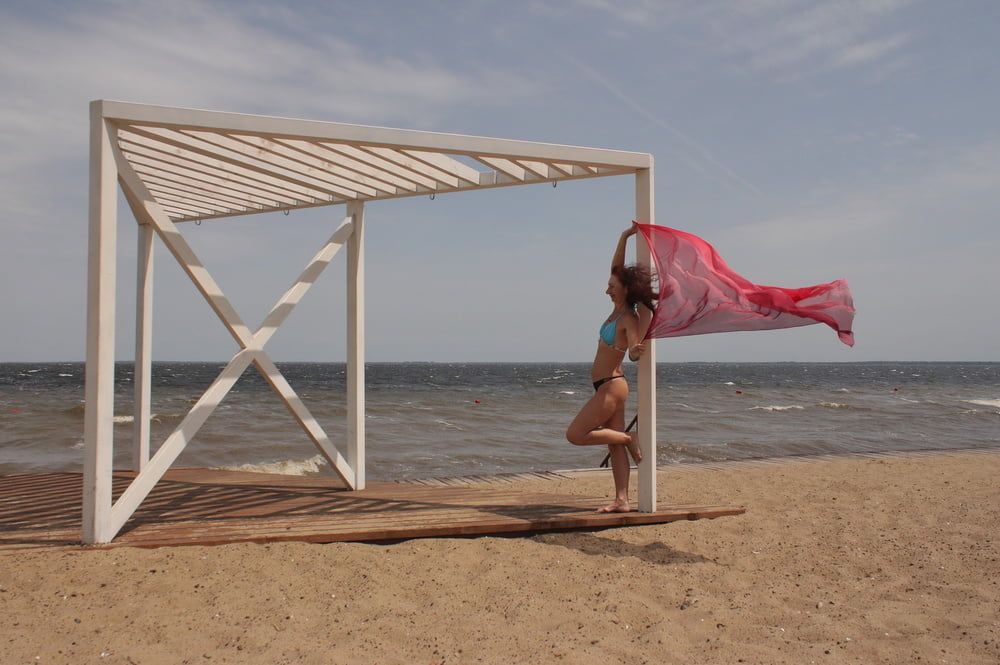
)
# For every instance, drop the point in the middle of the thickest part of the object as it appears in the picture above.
(618, 506)
(633, 447)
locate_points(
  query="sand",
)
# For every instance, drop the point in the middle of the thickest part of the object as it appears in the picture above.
(846, 561)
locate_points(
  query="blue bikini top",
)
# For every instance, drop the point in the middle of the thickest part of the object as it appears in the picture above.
(609, 331)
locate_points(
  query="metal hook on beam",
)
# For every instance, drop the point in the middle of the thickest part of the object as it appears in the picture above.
(432, 197)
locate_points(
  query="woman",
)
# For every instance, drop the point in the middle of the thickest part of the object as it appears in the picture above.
(601, 421)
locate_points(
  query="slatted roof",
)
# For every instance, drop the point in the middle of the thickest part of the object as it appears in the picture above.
(205, 165)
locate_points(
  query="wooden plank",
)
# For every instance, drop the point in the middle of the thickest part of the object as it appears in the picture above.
(350, 158)
(143, 345)
(645, 213)
(309, 130)
(415, 165)
(180, 163)
(226, 197)
(356, 345)
(207, 506)
(446, 164)
(209, 155)
(98, 425)
(350, 178)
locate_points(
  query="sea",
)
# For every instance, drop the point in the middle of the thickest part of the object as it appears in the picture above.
(426, 420)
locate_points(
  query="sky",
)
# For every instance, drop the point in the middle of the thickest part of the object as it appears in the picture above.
(807, 141)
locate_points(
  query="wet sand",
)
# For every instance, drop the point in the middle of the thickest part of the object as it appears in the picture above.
(845, 561)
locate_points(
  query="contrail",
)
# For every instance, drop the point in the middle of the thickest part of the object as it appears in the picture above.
(689, 143)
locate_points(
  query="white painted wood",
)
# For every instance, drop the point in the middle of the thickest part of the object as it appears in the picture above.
(143, 371)
(540, 169)
(504, 166)
(334, 155)
(99, 384)
(294, 294)
(142, 484)
(368, 157)
(354, 180)
(276, 163)
(304, 418)
(356, 345)
(415, 165)
(198, 167)
(169, 194)
(145, 166)
(220, 195)
(143, 202)
(210, 156)
(446, 164)
(308, 130)
(645, 213)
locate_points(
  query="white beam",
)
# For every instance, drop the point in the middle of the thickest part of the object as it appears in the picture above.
(377, 162)
(209, 155)
(196, 166)
(645, 214)
(142, 484)
(504, 166)
(333, 171)
(356, 345)
(185, 183)
(541, 169)
(142, 372)
(305, 419)
(374, 136)
(99, 382)
(419, 166)
(446, 164)
(330, 156)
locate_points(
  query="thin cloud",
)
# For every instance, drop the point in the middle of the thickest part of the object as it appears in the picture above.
(693, 152)
(205, 56)
(783, 38)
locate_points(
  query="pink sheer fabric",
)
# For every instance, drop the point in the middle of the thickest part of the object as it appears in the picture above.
(700, 294)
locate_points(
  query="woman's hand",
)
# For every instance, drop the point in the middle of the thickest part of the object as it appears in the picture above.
(630, 231)
(635, 352)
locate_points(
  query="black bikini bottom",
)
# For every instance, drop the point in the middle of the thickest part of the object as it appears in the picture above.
(601, 382)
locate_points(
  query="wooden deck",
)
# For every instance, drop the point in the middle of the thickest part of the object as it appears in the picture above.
(213, 507)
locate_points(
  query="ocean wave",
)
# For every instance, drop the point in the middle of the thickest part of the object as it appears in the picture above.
(835, 405)
(567, 392)
(448, 424)
(773, 408)
(288, 467)
(995, 403)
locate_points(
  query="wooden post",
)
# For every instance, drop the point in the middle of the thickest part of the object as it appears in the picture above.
(356, 344)
(644, 213)
(142, 374)
(99, 389)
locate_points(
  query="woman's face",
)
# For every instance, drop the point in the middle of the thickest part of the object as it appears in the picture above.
(616, 290)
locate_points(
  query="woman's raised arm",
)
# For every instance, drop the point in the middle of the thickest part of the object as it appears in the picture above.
(619, 258)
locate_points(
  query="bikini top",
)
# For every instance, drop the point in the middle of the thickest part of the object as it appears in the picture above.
(608, 333)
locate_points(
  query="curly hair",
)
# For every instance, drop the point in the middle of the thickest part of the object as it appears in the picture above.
(638, 283)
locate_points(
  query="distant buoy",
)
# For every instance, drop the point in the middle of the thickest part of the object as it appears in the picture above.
(739, 392)
(15, 409)
(475, 401)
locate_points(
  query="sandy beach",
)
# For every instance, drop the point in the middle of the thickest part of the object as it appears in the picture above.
(846, 561)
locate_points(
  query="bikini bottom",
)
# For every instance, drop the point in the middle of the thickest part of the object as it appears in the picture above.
(601, 382)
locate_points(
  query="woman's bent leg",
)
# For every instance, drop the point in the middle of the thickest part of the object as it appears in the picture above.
(590, 427)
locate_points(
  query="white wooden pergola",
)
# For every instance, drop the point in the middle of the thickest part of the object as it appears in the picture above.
(179, 165)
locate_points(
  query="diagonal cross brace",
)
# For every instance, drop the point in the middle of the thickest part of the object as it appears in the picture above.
(251, 351)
